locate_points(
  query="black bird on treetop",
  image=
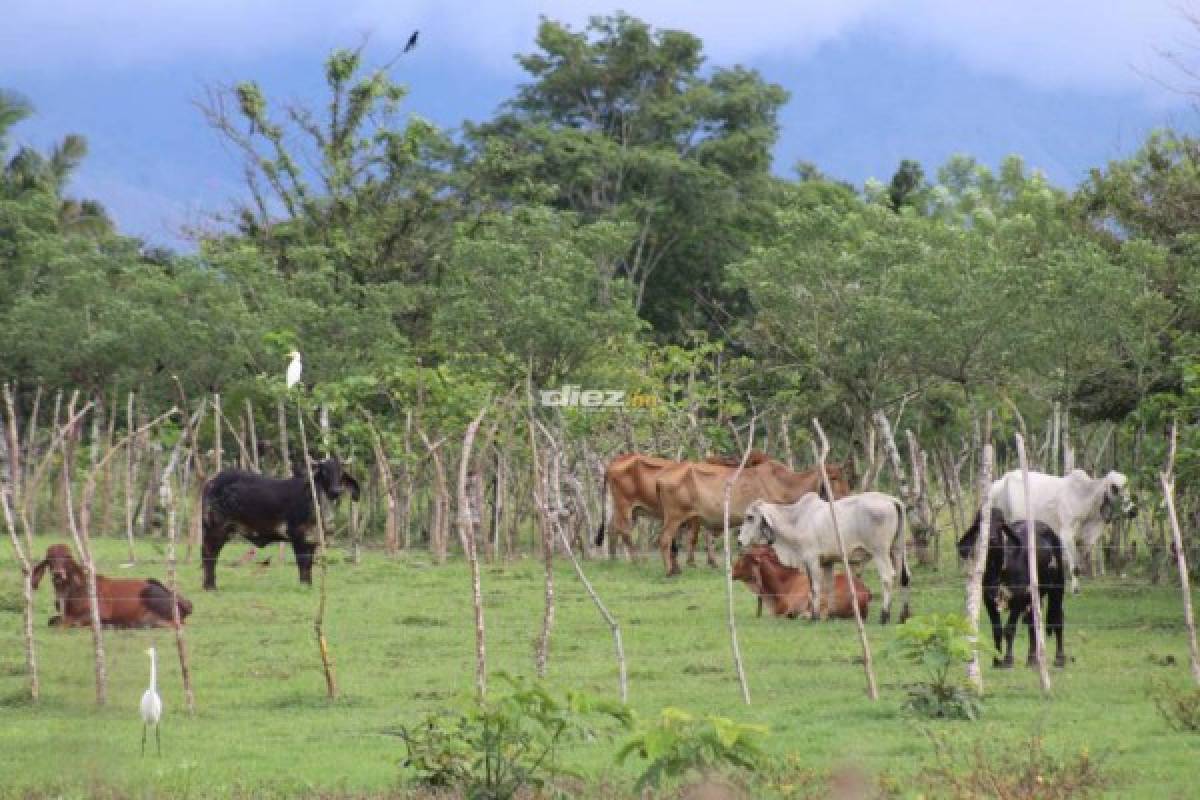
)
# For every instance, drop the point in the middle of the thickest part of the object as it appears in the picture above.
(412, 41)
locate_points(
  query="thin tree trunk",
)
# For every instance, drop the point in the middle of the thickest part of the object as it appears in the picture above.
(31, 438)
(437, 539)
(868, 667)
(542, 503)
(168, 500)
(406, 507)
(252, 430)
(730, 617)
(196, 520)
(979, 559)
(15, 470)
(466, 536)
(23, 559)
(786, 440)
(1167, 478)
(130, 466)
(389, 488)
(109, 434)
(331, 689)
(613, 626)
(1035, 598)
(921, 498)
(906, 494)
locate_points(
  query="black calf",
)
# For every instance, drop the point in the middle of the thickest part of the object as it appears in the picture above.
(266, 510)
(1007, 566)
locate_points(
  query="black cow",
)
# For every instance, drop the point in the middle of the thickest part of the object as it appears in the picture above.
(266, 510)
(1007, 565)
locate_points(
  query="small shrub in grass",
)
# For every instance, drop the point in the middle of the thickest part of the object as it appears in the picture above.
(938, 643)
(492, 750)
(1014, 771)
(679, 744)
(1179, 706)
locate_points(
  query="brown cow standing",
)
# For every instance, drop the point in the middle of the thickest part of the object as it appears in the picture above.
(788, 589)
(630, 489)
(124, 603)
(695, 493)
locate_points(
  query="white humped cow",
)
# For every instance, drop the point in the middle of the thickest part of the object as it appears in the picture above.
(1074, 505)
(871, 523)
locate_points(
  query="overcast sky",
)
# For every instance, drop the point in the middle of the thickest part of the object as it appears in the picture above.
(1069, 84)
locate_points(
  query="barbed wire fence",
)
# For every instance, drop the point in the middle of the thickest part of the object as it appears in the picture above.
(405, 515)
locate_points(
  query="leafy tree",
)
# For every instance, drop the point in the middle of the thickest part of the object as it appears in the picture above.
(617, 123)
(522, 291)
(356, 191)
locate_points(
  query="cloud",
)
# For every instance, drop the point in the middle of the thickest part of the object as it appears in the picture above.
(1072, 44)
(1066, 44)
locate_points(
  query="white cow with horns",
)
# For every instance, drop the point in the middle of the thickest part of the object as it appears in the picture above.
(871, 523)
(1074, 505)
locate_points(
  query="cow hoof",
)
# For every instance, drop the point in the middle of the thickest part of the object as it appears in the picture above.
(1000, 663)
(904, 615)
(885, 616)
(673, 571)
(1060, 661)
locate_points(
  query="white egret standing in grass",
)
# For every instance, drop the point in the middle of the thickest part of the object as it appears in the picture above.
(294, 369)
(152, 706)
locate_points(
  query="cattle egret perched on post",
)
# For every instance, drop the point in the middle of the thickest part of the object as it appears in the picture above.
(293, 370)
(152, 706)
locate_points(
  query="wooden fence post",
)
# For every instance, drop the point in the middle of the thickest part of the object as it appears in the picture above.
(466, 536)
(1035, 599)
(613, 626)
(868, 667)
(730, 617)
(979, 558)
(1167, 477)
(331, 689)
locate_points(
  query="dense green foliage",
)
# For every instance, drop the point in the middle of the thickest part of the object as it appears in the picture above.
(617, 212)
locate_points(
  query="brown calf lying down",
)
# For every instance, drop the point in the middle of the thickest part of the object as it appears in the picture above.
(123, 603)
(787, 588)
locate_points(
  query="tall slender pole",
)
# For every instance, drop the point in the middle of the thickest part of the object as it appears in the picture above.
(466, 537)
(730, 617)
(1035, 598)
(322, 565)
(868, 667)
(979, 558)
(1167, 477)
(542, 655)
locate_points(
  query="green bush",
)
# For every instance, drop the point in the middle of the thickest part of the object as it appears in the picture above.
(493, 749)
(938, 643)
(679, 743)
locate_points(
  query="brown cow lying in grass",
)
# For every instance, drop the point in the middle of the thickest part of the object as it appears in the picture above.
(124, 603)
(787, 588)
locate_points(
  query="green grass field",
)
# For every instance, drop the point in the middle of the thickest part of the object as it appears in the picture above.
(401, 634)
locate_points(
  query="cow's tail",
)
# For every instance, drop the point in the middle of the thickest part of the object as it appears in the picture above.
(605, 512)
(900, 544)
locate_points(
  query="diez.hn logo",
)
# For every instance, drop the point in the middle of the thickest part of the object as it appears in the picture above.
(573, 396)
